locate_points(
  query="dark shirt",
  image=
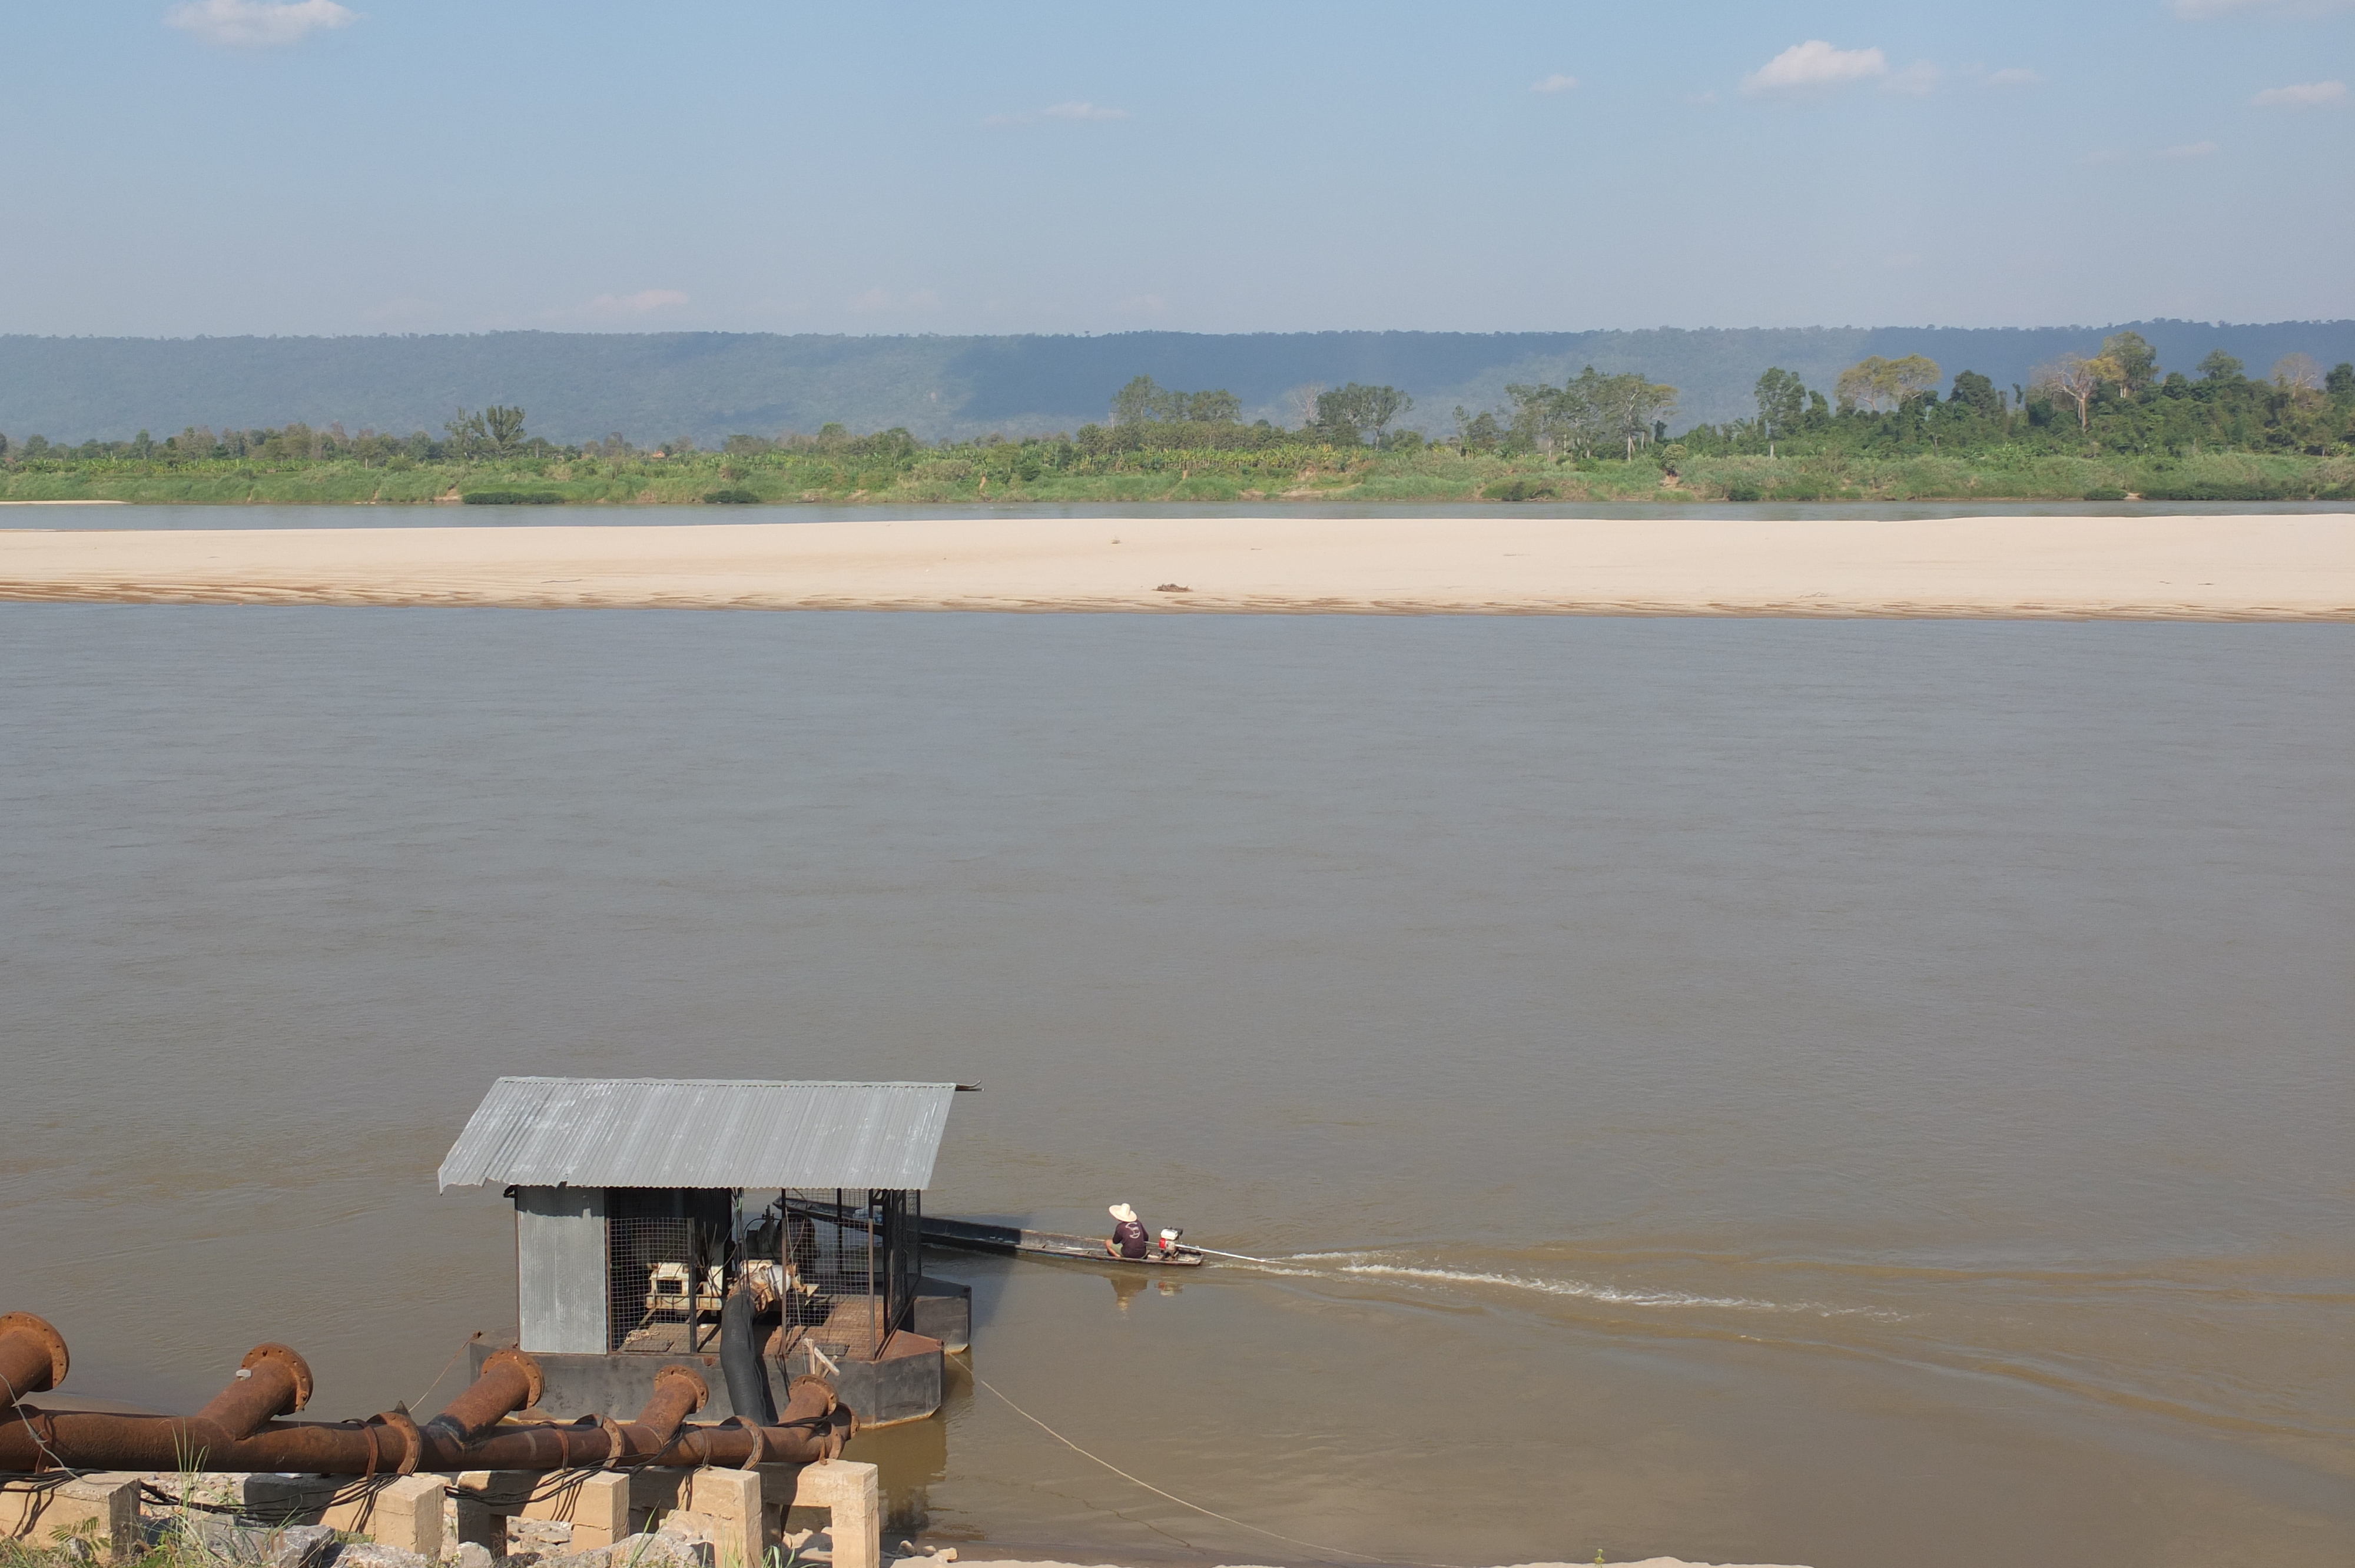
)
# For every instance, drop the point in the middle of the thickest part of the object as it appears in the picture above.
(1129, 1237)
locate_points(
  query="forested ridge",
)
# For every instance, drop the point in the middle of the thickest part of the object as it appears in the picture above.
(654, 386)
(2112, 425)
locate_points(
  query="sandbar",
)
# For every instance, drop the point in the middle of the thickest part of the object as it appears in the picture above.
(2268, 566)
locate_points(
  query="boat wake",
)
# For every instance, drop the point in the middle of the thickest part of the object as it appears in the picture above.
(1365, 1264)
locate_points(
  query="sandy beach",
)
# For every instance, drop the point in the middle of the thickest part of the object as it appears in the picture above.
(2250, 567)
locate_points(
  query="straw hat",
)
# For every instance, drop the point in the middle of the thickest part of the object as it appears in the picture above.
(1124, 1213)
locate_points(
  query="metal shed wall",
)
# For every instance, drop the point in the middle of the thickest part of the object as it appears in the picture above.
(686, 1133)
(560, 1268)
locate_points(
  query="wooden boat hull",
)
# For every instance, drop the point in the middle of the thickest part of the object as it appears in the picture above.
(972, 1236)
(975, 1236)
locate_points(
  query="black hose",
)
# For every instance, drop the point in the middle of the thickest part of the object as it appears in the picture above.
(740, 1361)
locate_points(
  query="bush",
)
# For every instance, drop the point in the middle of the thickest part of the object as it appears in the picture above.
(2227, 489)
(1740, 490)
(736, 497)
(1518, 488)
(512, 498)
(2105, 492)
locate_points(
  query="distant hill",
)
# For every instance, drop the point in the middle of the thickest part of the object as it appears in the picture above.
(653, 385)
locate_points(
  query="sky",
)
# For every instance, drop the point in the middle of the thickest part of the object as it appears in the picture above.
(234, 166)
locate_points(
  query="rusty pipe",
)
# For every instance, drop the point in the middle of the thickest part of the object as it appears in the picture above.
(680, 1392)
(272, 1381)
(33, 1357)
(34, 1441)
(510, 1381)
(236, 1431)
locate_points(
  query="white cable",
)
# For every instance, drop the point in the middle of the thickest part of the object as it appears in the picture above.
(1182, 1502)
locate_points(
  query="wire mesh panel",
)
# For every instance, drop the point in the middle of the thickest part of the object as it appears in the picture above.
(836, 1271)
(657, 1279)
(833, 1247)
(667, 1254)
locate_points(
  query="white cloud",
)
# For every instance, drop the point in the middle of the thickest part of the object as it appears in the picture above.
(2015, 76)
(2189, 151)
(257, 24)
(1815, 64)
(1916, 80)
(1072, 111)
(2305, 95)
(1554, 83)
(2208, 10)
(636, 304)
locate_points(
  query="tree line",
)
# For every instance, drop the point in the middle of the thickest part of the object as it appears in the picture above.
(2117, 399)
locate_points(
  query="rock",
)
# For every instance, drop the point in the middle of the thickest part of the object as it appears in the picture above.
(368, 1554)
(78, 1549)
(595, 1557)
(470, 1554)
(544, 1535)
(663, 1551)
(257, 1546)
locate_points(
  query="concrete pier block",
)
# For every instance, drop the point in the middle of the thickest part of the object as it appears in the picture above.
(653, 1492)
(486, 1499)
(599, 1510)
(403, 1512)
(36, 1509)
(731, 1498)
(852, 1496)
(392, 1511)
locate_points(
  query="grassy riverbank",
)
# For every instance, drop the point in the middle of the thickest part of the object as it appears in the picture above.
(1052, 472)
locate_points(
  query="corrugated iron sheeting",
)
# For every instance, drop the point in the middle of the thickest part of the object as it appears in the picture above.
(686, 1133)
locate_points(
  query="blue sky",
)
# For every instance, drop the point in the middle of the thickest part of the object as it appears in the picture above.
(238, 166)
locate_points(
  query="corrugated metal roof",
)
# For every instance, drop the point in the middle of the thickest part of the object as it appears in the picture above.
(698, 1133)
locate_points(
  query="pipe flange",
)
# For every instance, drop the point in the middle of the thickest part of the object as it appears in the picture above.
(292, 1360)
(29, 1323)
(412, 1439)
(509, 1355)
(703, 1389)
(616, 1445)
(833, 1400)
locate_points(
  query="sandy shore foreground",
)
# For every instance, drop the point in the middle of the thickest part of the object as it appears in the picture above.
(2264, 567)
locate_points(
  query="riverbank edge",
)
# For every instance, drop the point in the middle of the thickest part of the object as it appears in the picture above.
(1003, 476)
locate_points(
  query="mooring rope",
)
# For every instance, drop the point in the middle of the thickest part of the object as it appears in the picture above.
(1182, 1502)
(453, 1361)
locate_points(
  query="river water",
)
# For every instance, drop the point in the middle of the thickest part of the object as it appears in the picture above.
(1841, 1093)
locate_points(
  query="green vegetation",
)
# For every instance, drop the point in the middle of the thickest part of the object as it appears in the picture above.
(2111, 425)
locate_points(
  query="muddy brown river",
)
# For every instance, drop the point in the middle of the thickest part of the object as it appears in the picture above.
(1812, 1091)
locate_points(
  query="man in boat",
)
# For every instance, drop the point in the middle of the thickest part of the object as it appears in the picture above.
(1128, 1237)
